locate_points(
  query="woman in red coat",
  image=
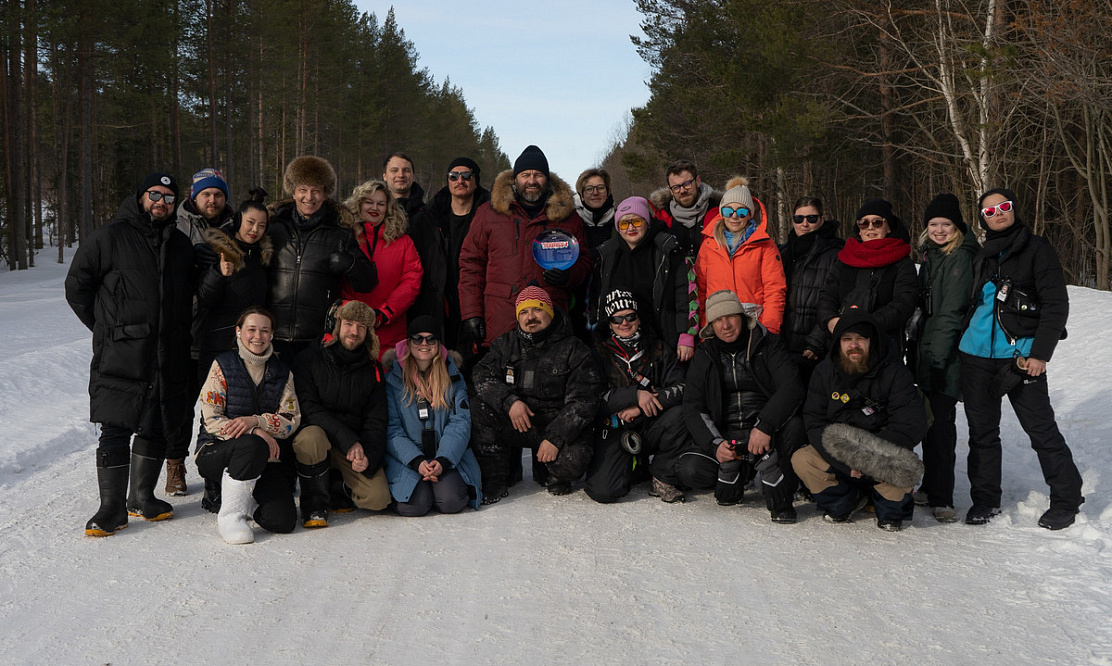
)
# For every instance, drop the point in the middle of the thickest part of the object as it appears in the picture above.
(384, 240)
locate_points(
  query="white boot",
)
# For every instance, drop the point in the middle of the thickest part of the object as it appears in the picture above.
(236, 501)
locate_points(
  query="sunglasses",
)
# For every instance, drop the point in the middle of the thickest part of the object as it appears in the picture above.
(618, 319)
(809, 219)
(423, 339)
(729, 212)
(154, 195)
(625, 224)
(1002, 207)
(871, 224)
(456, 175)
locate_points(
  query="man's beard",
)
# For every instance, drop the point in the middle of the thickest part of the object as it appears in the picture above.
(853, 367)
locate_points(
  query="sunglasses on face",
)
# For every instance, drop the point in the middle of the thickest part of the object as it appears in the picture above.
(625, 224)
(809, 219)
(730, 212)
(154, 195)
(1002, 207)
(456, 175)
(423, 339)
(618, 319)
(871, 224)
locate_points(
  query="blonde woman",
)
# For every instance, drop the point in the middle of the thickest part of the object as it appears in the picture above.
(382, 236)
(428, 462)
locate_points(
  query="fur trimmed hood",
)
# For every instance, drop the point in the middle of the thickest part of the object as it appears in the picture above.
(872, 455)
(662, 198)
(561, 200)
(222, 242)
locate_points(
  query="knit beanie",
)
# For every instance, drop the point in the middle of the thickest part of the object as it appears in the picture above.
(720, 304)
(206, 178)
(619, 300)
(466, 162)
(878, 207)
(531, 158)
(737, 194)
(423, 324)
(945, 205)
(533, 297)
(638, 206)
(157, 178)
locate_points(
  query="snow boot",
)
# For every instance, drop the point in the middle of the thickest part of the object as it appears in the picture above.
(730, 488)
(141, 501)
(980, 514)
(210, 501)
(175, 477)
(314, 494)
(779, 503)
(1057, 518)
(339, 495)
(560, 487)
(112, 472)
(236, 503)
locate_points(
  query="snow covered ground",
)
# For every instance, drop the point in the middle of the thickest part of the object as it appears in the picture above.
(535, 578)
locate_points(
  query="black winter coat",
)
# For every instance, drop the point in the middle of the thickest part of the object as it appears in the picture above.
(893, 292)
(886, 391)
(656, 365)
(344, 393)
(307, 268)
(221, 299)
(131, 284)
(704, 401)
(802, 328)
(557, 377)
(946, 280)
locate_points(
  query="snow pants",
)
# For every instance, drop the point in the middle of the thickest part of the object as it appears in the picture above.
(448, 495)
(664, 437)
(837, 493)
(939, 451)
(246, 457)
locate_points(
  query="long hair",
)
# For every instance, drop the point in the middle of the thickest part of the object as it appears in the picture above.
(394, 225)
(951, 245)
(433, 384)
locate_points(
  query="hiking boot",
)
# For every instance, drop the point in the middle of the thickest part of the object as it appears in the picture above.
(175, 477)
(784, 516)
(894, 525)
(666, 492)
(920, 498)
(560, 488)
(1057, 519)
(945, 514)
(979, 514)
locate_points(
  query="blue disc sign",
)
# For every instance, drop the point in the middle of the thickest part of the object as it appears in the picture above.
(555, 249)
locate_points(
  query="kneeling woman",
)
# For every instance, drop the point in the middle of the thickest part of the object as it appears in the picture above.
(428, 462)
(249, 410)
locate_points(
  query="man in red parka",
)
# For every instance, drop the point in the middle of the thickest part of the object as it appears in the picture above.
(496, 261)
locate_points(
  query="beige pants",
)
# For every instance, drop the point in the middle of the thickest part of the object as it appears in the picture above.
(815, 473)
(311, 446)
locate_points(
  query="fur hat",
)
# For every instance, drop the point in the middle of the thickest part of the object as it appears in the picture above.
(638, 206)
(206, 178)
(737, 194)
(310, 170)
(355, 311)
(619, 300)
(945, 205)
(158, 178)
(531, 158)
(533, 297)
(725, 302)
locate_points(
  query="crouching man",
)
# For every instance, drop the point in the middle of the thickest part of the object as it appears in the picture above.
(641, 408)
(343, 404)
(863, 417)
(740, 404)
(538, 389)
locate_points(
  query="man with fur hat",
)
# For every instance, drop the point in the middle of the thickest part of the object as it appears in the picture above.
(130, 283)
(641, 408)
(740, 404)
(496, 261)
(438, 232)
(343, 405)
(685, 205)
(314, 248)
(863, 417)
(537, 389)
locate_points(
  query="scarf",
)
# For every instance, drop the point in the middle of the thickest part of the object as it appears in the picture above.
(598, 215)
(997, 242)
(688, 217)
(874, 253)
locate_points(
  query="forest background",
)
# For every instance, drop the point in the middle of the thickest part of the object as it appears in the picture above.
(843, 99)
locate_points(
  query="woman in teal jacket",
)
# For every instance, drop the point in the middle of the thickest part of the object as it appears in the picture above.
(428, 462)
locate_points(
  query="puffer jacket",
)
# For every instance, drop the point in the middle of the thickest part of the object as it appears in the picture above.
(557, 377)
(496, 261)
(221, 299)
(304, 281)
(131, 284)
(656, 364)
(946, 279)
(754, 272)
(883, 401)
(806, 277)
(404, 433)
(399, 279)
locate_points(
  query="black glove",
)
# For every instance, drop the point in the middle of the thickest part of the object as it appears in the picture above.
(340, 262)
(731, 485)
(557, 277)
(475, 330)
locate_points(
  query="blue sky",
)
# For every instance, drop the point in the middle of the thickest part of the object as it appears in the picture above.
(561, 75)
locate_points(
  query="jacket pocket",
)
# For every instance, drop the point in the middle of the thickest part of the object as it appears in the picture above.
(127, 352)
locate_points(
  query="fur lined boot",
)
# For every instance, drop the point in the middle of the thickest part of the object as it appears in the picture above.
(237, 502)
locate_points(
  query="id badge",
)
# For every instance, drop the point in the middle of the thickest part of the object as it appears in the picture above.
(423, 413)
(868, 410)
(1002, 295)
(510, 376)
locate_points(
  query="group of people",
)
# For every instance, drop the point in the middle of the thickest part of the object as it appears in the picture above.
(392, 352)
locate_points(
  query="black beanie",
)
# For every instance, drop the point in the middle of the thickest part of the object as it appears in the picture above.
(531, 158)
(877, 207)
(157, 178)
(423, 324)
(945, 205)
(466, 162)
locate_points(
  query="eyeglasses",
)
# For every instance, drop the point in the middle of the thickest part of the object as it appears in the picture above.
(1002, 207)
(423, 339)
(730, 212)
(871, 224)
(594, 189)
(625, 224)
(809, 219)
(685, 185)
(155, 195)
(456, 175)
(618, 319)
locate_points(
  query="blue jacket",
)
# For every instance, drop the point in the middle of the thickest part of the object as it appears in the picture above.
(453, 433)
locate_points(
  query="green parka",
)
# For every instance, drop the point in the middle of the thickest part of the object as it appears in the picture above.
(946, 280)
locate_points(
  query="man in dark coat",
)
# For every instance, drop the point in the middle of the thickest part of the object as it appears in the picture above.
(685, 205)
(740, 405)
(438, 231)
(863, 417)
(130, 283)
(641, 410)
(537, 389)
(343, 416)
(314, 248)
(398, 174)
